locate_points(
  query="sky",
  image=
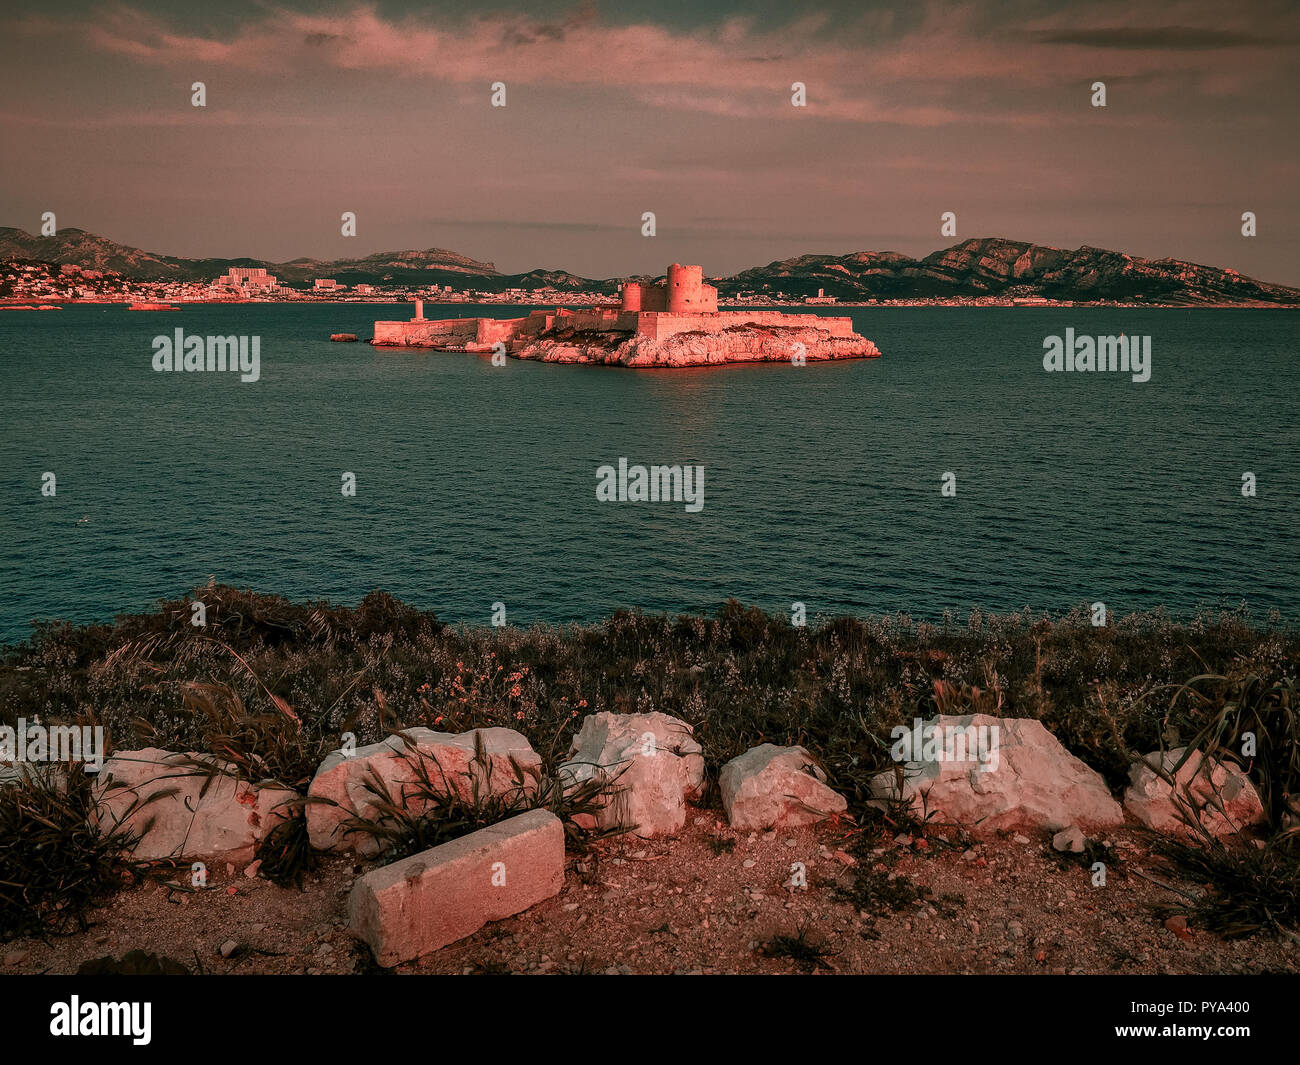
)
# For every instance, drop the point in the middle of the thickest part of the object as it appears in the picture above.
(914, 108)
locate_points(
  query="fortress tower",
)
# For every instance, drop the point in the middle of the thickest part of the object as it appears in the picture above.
(684, 292)
(687, 292)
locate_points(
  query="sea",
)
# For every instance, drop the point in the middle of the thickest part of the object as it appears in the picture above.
(952, 474)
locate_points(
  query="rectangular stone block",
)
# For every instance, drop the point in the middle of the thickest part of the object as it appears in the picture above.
(422, 903)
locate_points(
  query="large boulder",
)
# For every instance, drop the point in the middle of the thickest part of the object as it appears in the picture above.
(650, 765)
(1216, 793)
(409, 768)
(776, 787)
(186, 805)
(990, 773)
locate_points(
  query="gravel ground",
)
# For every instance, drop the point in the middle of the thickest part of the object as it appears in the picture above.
(717, 901)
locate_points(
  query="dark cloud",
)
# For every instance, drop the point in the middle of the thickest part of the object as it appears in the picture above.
(1159, 38)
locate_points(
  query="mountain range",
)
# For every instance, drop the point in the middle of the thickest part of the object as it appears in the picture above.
(985, 266)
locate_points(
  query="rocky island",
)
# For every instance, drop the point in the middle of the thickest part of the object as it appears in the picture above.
(670, 323)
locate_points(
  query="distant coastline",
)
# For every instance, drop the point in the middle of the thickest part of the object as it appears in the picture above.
(985, 271)
(9, 304)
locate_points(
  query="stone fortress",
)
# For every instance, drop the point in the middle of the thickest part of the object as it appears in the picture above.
(647, 314)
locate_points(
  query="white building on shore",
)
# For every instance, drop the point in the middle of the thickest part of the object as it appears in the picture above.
(248, 280)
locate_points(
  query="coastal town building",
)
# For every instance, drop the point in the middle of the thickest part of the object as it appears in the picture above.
(327, 284)
(248, 280)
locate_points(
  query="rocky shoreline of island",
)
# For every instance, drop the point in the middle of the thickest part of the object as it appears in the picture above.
(796, 345)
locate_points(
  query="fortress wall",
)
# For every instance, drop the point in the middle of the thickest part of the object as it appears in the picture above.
(654, 298)
(602, 318)
(657, 325)
(490, 330)
(428, 334)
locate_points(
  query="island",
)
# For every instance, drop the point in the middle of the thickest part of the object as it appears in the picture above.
(668, 323)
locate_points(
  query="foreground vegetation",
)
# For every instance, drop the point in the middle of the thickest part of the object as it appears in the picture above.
(272, 686)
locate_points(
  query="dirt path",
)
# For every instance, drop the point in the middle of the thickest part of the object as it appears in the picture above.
(708, 902)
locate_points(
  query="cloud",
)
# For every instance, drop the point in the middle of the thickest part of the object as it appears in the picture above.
(951, 63)
(1162, 38)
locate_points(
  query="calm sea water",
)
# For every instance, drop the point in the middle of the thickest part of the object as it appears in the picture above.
(476, 484)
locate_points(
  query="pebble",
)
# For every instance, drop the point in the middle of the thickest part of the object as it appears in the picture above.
(1069, 839)
(17, 957)
(749, 863)
(228, 948)
(1020, 839)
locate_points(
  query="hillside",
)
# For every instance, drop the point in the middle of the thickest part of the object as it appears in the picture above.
(992, 266)
(986, 266)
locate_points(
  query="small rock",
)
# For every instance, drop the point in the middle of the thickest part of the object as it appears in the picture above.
(228, 948)
(252, 869)
(1020, 839)
(17, 957)
(1070, 839)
